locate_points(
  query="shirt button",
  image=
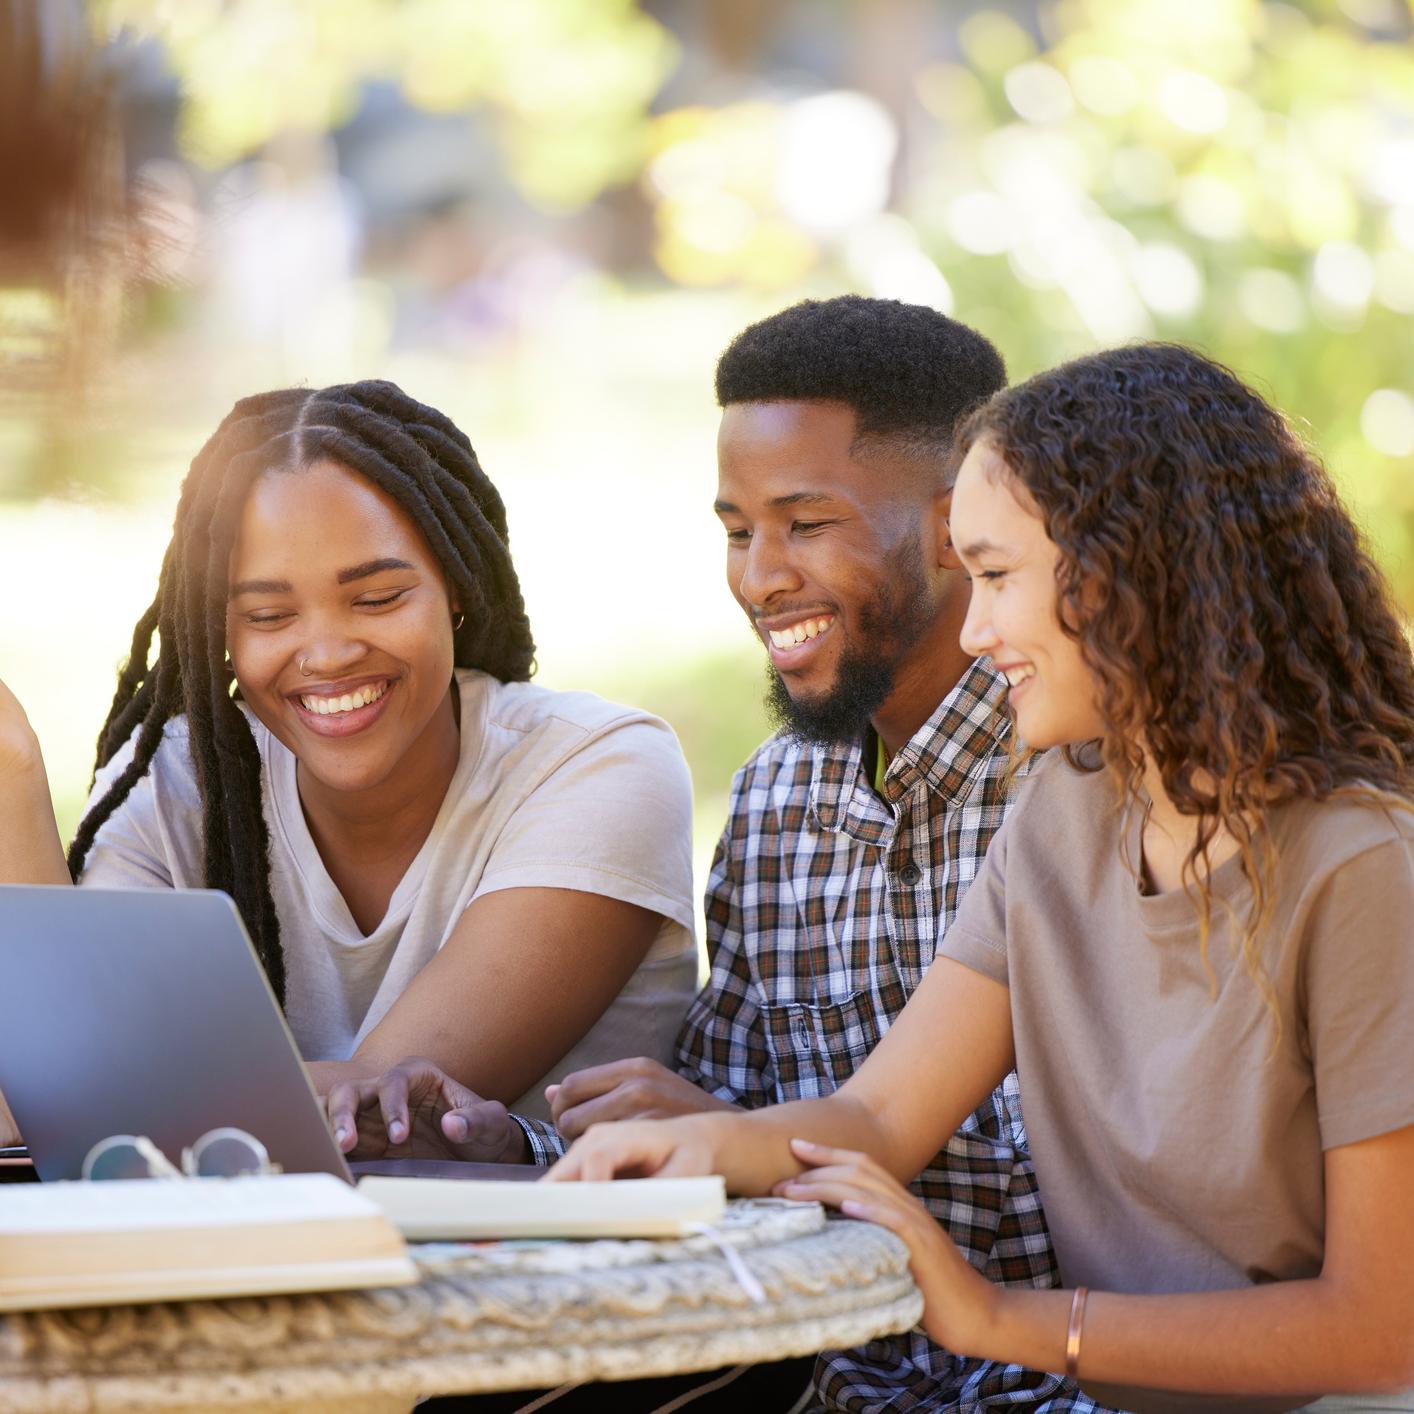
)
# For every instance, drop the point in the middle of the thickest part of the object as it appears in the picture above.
(910, 874)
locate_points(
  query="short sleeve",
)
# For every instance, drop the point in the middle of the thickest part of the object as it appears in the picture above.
(614, 818)
(151, 839)
(1359, 995)
(977, 938)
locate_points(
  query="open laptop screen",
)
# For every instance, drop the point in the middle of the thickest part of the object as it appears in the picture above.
(145, 1011)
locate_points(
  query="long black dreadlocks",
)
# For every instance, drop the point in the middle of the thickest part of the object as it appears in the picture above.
(409, 451)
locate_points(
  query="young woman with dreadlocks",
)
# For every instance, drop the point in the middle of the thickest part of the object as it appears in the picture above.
(433, 857)
(1192, 936)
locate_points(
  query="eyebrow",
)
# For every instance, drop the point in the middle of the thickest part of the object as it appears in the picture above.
(983, 547)
(348, 576)
(260, 586)
(794, 498)
(371, 567)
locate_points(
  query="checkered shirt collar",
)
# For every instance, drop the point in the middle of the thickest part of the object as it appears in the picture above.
(945, 754)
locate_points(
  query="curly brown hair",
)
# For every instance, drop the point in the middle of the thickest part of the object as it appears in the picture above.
(1241, 635)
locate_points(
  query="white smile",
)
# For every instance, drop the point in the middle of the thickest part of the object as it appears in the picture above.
(349, 702)
(1016, 676)
(798, 633)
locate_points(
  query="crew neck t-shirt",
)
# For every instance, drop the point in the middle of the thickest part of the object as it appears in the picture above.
(552, 790)
(1172, 1152)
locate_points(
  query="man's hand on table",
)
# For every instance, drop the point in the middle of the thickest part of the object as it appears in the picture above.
(626, 1089)
(415, 1111)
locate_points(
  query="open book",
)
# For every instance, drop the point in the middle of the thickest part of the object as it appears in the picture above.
(432, 1208)
(80, 1244)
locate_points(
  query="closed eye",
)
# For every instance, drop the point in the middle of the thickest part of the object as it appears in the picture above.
(382, 601)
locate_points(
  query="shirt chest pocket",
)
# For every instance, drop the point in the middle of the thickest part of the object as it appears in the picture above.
(816, 1047)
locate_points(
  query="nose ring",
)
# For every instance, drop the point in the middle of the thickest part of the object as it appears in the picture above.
(303, 671)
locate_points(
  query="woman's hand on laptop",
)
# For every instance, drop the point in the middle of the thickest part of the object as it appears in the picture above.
(416, 1111)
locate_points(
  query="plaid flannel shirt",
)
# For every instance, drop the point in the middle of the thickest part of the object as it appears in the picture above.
(824, 907)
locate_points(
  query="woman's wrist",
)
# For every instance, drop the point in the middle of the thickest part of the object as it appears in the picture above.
(973, 1319)
(1019, 1325)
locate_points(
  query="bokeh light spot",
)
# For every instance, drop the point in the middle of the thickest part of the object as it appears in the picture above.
(980, 221)
(1193, 102)
(1387, 422)
(1343, 276)
(1271, 300)
(1103, 85)
(1167, 279)
(1038, 93)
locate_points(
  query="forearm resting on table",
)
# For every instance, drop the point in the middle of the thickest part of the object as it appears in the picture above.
(950, 1046)
(751, 1149)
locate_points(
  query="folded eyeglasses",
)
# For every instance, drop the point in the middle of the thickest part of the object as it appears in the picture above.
(219, 1153)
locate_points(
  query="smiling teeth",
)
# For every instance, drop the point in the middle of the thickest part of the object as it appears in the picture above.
(798, 633)
(329, 706)
(1016, 676)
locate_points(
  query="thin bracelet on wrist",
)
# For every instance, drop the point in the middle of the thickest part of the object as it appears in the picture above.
(1075, 1329)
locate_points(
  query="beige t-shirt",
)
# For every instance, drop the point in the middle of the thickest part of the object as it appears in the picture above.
(1170, 1153)
(553, 790)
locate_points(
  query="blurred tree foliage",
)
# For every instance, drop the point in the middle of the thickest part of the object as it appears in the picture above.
(568, 82)
(1232, 174)
(1237, 174)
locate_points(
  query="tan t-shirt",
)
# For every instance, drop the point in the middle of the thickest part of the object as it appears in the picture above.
(1171, 1154)
(553, 790)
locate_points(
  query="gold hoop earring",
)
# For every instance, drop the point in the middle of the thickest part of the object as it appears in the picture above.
(458, 622)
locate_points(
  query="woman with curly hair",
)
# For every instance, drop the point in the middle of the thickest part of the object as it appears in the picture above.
(433, 857)
(1192, 936)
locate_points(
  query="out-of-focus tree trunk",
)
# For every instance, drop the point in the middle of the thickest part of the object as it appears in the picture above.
(62, 202)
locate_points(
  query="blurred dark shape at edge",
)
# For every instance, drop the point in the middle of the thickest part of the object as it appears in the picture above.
(63, 206)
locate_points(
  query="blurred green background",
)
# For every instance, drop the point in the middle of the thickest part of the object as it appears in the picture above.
(548, 217)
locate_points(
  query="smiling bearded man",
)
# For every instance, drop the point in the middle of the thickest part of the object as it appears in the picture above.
(853, 833)
(888, 628)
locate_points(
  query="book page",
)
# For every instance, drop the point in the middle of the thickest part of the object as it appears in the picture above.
(428, 1208)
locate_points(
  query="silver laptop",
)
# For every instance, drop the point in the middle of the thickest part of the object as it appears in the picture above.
(145, 1011)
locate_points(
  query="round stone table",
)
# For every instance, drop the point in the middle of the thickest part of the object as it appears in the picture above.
(500, 1316)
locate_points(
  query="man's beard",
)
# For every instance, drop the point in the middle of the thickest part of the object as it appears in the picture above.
(891, 624)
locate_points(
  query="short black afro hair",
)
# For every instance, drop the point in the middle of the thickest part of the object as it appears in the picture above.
(908, 372)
